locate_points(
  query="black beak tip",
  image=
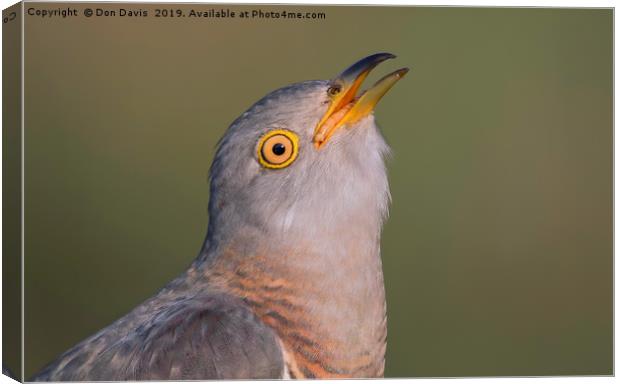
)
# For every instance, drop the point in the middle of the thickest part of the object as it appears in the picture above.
(365, 64)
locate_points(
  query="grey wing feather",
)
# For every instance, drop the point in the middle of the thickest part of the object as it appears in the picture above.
(208, 337)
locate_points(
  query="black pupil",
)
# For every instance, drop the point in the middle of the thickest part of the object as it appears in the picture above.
(278, 149)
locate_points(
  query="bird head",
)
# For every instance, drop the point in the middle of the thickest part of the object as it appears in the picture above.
(305, 162)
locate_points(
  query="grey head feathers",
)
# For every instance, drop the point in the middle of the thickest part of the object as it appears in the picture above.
(342, 185)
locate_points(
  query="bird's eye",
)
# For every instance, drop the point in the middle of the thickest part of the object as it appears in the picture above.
(277, 149)
(333, 90)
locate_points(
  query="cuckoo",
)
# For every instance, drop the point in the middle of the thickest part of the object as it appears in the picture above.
(289, 281)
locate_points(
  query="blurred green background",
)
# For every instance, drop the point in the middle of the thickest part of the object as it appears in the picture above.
(498, 251)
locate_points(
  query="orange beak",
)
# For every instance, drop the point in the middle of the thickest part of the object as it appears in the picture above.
(345, 107)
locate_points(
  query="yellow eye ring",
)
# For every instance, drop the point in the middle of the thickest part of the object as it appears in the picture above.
(277, 149)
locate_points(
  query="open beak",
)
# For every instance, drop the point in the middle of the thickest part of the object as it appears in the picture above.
(346, 107)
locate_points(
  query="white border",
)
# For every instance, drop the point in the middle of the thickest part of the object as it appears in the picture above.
(480, 3)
